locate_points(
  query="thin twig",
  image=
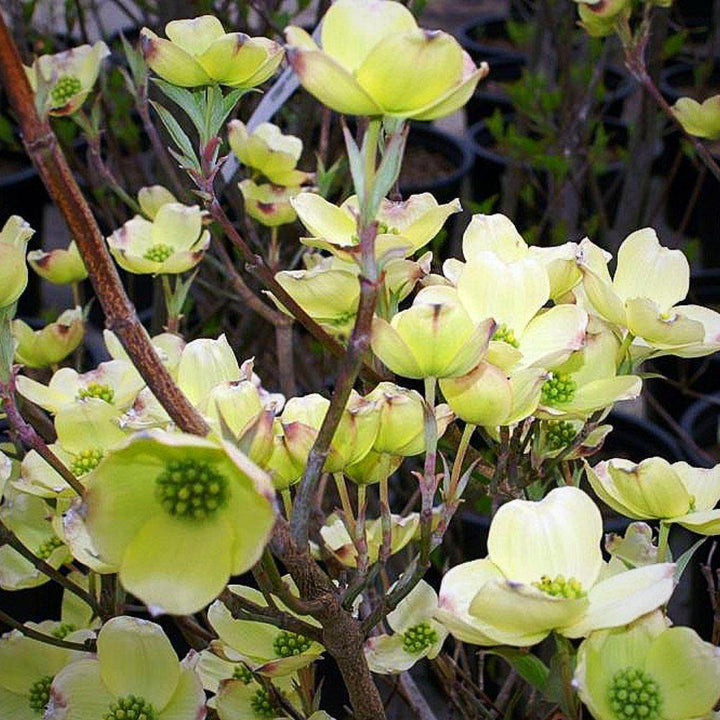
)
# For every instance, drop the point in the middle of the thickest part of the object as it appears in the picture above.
(88, 646)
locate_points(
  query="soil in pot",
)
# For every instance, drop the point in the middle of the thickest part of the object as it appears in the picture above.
(435, 162)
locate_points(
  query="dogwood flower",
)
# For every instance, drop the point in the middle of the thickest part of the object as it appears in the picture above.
(588, 380)
(135, 674)
(498, 234)
(435, 337)
(248, 700)
(116, 382)
(328, 291)
(416, 634)
(68, 75)
(199, 52)
(268, 650)
(30, 519)
(86, 432)
(14, 237)
(656, 489)
(699, 119)
(337, 540)
(375, 60)
(644, 293)
(648, 670)
(402, 420)
(404, 226)
(152, 198)
(512, 292)
(271, 205)
(173, 242)
(60, 266)
(267, 150)
(600, 18)
(28, 667)
(51, 344)
(176, 516)
(301, 420)
(545, 572)
(489, 397)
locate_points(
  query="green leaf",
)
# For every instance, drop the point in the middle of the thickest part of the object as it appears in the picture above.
(136, 63)
(682, 562)
(355, 158)
(184, 99)
(178, 135)
(389, 169)
(529, 667)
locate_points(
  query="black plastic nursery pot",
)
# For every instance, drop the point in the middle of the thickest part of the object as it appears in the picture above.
(486, 38)
(692, 199)
(435, 162)
(492, 162)
(701, 421)
(493, 92)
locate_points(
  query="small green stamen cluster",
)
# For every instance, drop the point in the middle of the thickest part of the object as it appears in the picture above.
(46, 549)
(385, 229)
(64, 89)
(419, 637)
(560, 587)
(159, 252)
(131, 707)
(97, 390)
(505, 334)
(262, 705)
(191, 489)
(85, 461)
(558, 389)
(634, 694)
(39, 695)
(287, 644)
(63, 630)
(560, 433)
(241, 672)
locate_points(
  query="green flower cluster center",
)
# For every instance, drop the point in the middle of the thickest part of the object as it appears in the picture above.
(385, 229)
(419, 637)
(634, 694)
(287, 644)
(262, 704)
(191, 489)
(558, 389)
(159, 252)
(241, 672)
(85, 461)
(505, 334)
(97, 390)
(65, 87)
(560, 433)
(560, 587)
(46, 549)
(39, 694)
(131, 707)
(63, 630)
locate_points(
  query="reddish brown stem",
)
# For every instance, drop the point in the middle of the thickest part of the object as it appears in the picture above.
(120, 316)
